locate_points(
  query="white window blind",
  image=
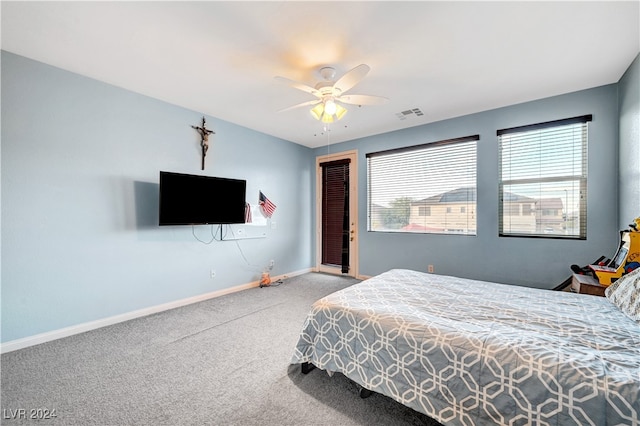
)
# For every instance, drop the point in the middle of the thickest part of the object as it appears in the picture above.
(543, 179)
(428, 188)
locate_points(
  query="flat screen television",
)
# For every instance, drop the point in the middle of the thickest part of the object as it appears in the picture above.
(200, 200)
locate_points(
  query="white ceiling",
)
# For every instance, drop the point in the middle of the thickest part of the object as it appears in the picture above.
(220, 58)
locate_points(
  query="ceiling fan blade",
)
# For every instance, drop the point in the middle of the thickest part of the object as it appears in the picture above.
(352, 77)
(362, 99)
(299, 86)
(316, 101)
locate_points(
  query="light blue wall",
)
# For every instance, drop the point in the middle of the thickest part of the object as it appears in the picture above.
(629, 95)
(524, 261)
(80, 163)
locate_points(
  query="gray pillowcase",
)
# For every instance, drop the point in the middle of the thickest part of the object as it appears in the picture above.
(625, 294)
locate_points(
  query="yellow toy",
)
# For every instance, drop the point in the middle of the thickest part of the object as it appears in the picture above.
(626, 259)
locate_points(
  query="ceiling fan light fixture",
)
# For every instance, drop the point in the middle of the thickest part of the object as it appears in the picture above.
(317, 111)
(327, 118)
(330, 107)
(340, 111)
(329, 93)
(326, 110)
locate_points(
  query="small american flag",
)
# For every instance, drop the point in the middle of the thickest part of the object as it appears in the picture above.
(247, 213)
(267, 206)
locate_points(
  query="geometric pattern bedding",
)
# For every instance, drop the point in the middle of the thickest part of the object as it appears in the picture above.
(468, 352)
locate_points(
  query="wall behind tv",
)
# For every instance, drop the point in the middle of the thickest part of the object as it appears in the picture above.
(80, 163)
(543, 263)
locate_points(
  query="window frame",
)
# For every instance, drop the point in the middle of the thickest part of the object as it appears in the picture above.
(470, 212)
(580, 178)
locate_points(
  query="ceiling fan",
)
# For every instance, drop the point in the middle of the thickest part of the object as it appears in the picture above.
(331, 94)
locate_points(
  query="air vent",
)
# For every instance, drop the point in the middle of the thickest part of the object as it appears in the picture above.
(404, 114)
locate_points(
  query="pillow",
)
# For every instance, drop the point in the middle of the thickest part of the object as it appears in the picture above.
(625, 294)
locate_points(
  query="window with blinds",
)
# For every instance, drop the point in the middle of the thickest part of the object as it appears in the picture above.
(429, 188)
(543, 179)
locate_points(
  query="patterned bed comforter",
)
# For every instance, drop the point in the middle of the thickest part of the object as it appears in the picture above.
(468, 352)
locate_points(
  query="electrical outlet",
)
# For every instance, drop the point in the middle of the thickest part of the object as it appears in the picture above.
(430, 269)
(213, 273)
(271, 263)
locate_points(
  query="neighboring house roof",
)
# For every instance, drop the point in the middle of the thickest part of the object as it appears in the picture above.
(460, 195)
(466, 194)
(510, 196)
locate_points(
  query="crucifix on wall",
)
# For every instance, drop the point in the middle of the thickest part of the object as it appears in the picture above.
(204, 139)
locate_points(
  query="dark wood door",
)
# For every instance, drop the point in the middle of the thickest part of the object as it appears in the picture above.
(335, 214)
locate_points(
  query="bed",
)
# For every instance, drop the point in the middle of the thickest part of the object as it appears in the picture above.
(468, 352)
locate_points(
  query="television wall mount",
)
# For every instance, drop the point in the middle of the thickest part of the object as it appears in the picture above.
(204, 138)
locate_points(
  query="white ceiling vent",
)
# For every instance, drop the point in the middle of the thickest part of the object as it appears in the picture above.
(404, 114)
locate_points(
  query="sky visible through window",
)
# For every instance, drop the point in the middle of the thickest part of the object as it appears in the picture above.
(422, 173)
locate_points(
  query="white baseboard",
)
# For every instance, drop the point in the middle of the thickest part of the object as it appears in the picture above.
(37, 339)
(359, 277)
